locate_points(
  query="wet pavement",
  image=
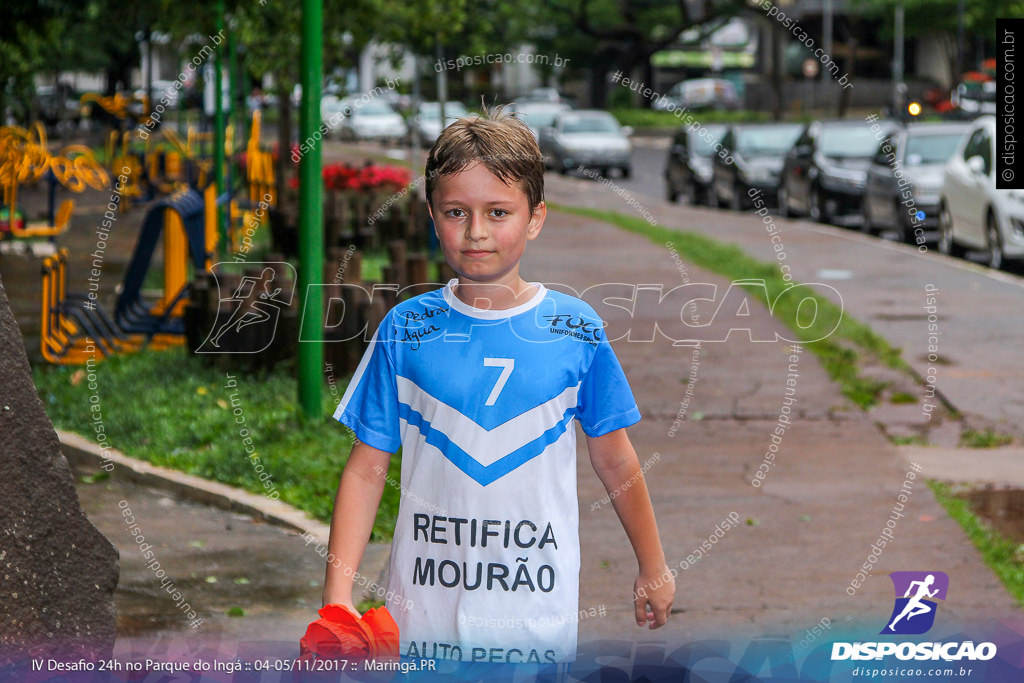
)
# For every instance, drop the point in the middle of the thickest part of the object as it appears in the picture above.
(221, 563)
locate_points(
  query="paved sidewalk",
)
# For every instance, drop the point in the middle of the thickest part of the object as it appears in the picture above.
(812, 522)
(979, 324)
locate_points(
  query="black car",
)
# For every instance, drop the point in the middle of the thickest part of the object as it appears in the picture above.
(688, 169)
(905, 178)
(824, 173)
(755, 153)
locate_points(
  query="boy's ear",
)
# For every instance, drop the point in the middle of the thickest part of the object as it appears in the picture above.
(430, 212)
(536, 221)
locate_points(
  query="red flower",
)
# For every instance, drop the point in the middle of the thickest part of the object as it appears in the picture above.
(340, 633)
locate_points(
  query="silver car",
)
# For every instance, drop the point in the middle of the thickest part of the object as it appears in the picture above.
(587, 139)
(905, 178)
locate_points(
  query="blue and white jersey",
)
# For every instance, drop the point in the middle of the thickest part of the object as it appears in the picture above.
(485, 560)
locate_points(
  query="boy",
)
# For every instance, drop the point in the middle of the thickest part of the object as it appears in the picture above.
(479, 383)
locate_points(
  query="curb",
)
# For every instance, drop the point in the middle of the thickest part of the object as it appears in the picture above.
(80, 451)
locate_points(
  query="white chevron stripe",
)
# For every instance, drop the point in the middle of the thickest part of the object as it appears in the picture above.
(357, 376)
(486, 446)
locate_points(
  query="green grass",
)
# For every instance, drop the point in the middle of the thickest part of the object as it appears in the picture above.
(997, 551)
(169, 409)
(366, 605)
(915, 440)
(650, 118)
(373, 265)
(988, 438)
(840, 352)
(902, 397)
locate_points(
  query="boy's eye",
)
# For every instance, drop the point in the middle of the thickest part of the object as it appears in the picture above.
(500, 213)
(454, 213)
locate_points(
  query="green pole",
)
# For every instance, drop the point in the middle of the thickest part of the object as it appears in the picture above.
(233, 107)
(218, 134)
(311, 227)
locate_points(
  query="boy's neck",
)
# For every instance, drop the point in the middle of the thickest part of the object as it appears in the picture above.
(495, 296)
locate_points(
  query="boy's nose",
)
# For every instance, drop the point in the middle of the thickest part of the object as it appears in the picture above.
(476, 230)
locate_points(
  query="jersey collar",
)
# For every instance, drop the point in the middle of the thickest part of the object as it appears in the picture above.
(487, 313)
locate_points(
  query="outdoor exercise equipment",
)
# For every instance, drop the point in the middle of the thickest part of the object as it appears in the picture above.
(119, 107)
(46, 229)
(259, 165)
(25, 158)
(75, 327)
(179, 219)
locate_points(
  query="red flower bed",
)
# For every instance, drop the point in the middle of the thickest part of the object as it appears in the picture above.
(362, 179)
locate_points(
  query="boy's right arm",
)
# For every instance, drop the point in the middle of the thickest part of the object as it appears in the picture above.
(355, 508)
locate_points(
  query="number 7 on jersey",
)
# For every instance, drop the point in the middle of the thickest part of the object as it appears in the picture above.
(506, 365)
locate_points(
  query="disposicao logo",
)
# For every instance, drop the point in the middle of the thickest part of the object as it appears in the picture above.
(913, 613)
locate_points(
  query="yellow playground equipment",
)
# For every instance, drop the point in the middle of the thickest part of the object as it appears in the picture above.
(59, 227)
(118, 105)
(25, 158)
(74, 328)
(259, 166)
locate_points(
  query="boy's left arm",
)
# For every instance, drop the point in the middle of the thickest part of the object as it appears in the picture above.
(618, 468)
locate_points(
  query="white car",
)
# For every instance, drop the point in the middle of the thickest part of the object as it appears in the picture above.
(372, 120)
(700, 93)
(973, 214)
(428, 120)
(333, 110)
(539, 115)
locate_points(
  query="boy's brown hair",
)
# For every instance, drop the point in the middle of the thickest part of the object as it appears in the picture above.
(502, 143)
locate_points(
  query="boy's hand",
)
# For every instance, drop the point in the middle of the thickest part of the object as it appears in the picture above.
(657, 590)
(335, 600)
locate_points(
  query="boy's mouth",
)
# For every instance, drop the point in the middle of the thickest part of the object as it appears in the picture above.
(476, 253)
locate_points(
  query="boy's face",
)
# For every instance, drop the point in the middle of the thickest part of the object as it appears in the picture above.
(483, 225)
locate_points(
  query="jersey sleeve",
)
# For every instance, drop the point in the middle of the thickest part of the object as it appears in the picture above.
(605, 400)
(370, 404)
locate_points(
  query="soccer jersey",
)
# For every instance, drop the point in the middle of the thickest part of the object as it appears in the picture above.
(485, 559)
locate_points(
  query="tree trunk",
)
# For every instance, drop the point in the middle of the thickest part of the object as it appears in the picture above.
(648, 69)
(282, 168)
(778, 62)
(598, 85)
(851, 62)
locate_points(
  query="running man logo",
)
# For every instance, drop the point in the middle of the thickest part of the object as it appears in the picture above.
(247, 319)
(914, 612)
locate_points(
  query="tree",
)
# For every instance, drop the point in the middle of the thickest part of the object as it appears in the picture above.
(33, 41)
(622, 35)
(940, 18)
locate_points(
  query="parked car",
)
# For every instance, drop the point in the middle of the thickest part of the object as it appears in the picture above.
(975, 97)
(56, 106)
(688, 169)
(333, 110)
(428, 119)
(546, 95)
(973, 214)
(825, 170)
(906, 176)
(752, 159)
(373, 120)
(587, 139)
(700, 93)
(538, 115)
